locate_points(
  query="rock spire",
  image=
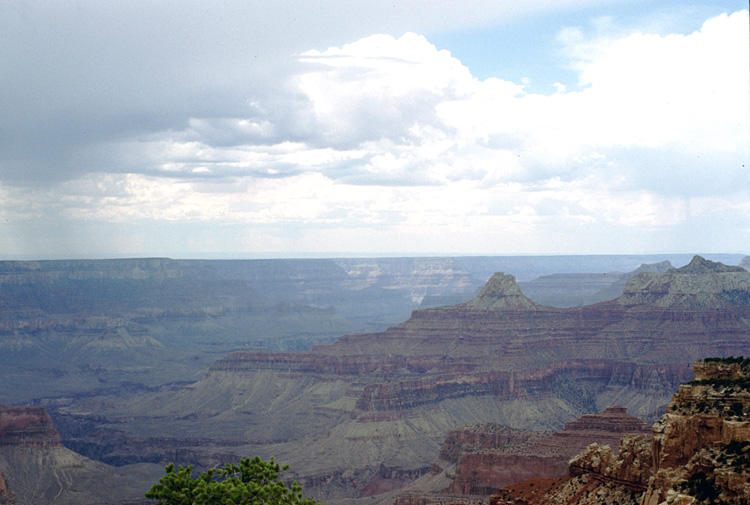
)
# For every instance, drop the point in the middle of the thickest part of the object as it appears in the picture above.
(502, 293)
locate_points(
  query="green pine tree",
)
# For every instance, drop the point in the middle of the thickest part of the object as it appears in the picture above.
(252, 482)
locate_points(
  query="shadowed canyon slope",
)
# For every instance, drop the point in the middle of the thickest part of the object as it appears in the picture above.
(35, 468)
(375, 407)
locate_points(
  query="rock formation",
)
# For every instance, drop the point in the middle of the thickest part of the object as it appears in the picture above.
(501, 293)
(700, 284)
(576, 289)
(35, 469)
(27, 427)
(478, 459)
(699, 451)
(369, 412)
(373, 406)
(481, 472)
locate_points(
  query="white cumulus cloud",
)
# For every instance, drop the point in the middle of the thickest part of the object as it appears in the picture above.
(391, 137)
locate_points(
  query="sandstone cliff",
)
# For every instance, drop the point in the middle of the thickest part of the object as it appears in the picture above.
(699, 451)
(501, 293)
(699, 284)
(478, 459)
(35, 469)
(481, 472)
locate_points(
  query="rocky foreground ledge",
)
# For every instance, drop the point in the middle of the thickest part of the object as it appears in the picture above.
(698, 453)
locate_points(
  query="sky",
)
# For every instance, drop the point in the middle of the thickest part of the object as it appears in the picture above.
(345, 127)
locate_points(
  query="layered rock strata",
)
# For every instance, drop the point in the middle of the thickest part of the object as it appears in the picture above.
(481, 472)
(478, 459)
(27, 427)
(386, 400)
(35, 469)
(699, 451)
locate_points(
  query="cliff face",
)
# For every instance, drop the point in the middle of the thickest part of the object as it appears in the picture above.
(27, 427)
(35, 469)
(481, 472)
(699, 284)
(699, 451)
(386, 400)
(701, 446)
(475, 460)
(629, 466)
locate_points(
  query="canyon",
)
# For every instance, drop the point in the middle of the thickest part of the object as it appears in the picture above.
(83, 327)
(201, 362)
(371, 410)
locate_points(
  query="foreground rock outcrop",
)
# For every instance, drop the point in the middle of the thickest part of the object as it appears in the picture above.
(699, 452)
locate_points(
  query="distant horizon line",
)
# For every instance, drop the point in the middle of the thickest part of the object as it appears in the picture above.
(342, 255)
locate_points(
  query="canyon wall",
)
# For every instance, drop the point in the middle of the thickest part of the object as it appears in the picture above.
(35, 469)
(699, 451)
(476, 460)
(386, 400)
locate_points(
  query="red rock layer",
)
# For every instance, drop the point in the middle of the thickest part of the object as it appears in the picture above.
(690, 443)
(502, 333)
(482, 472)
(27, 427)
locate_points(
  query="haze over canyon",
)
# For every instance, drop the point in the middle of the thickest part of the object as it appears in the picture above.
(362, 374)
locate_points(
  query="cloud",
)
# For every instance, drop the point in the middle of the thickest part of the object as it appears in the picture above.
(81, 72)
(384, 134)
(681, 98)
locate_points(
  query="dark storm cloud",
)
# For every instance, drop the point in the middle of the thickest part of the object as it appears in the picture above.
(78, 73)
